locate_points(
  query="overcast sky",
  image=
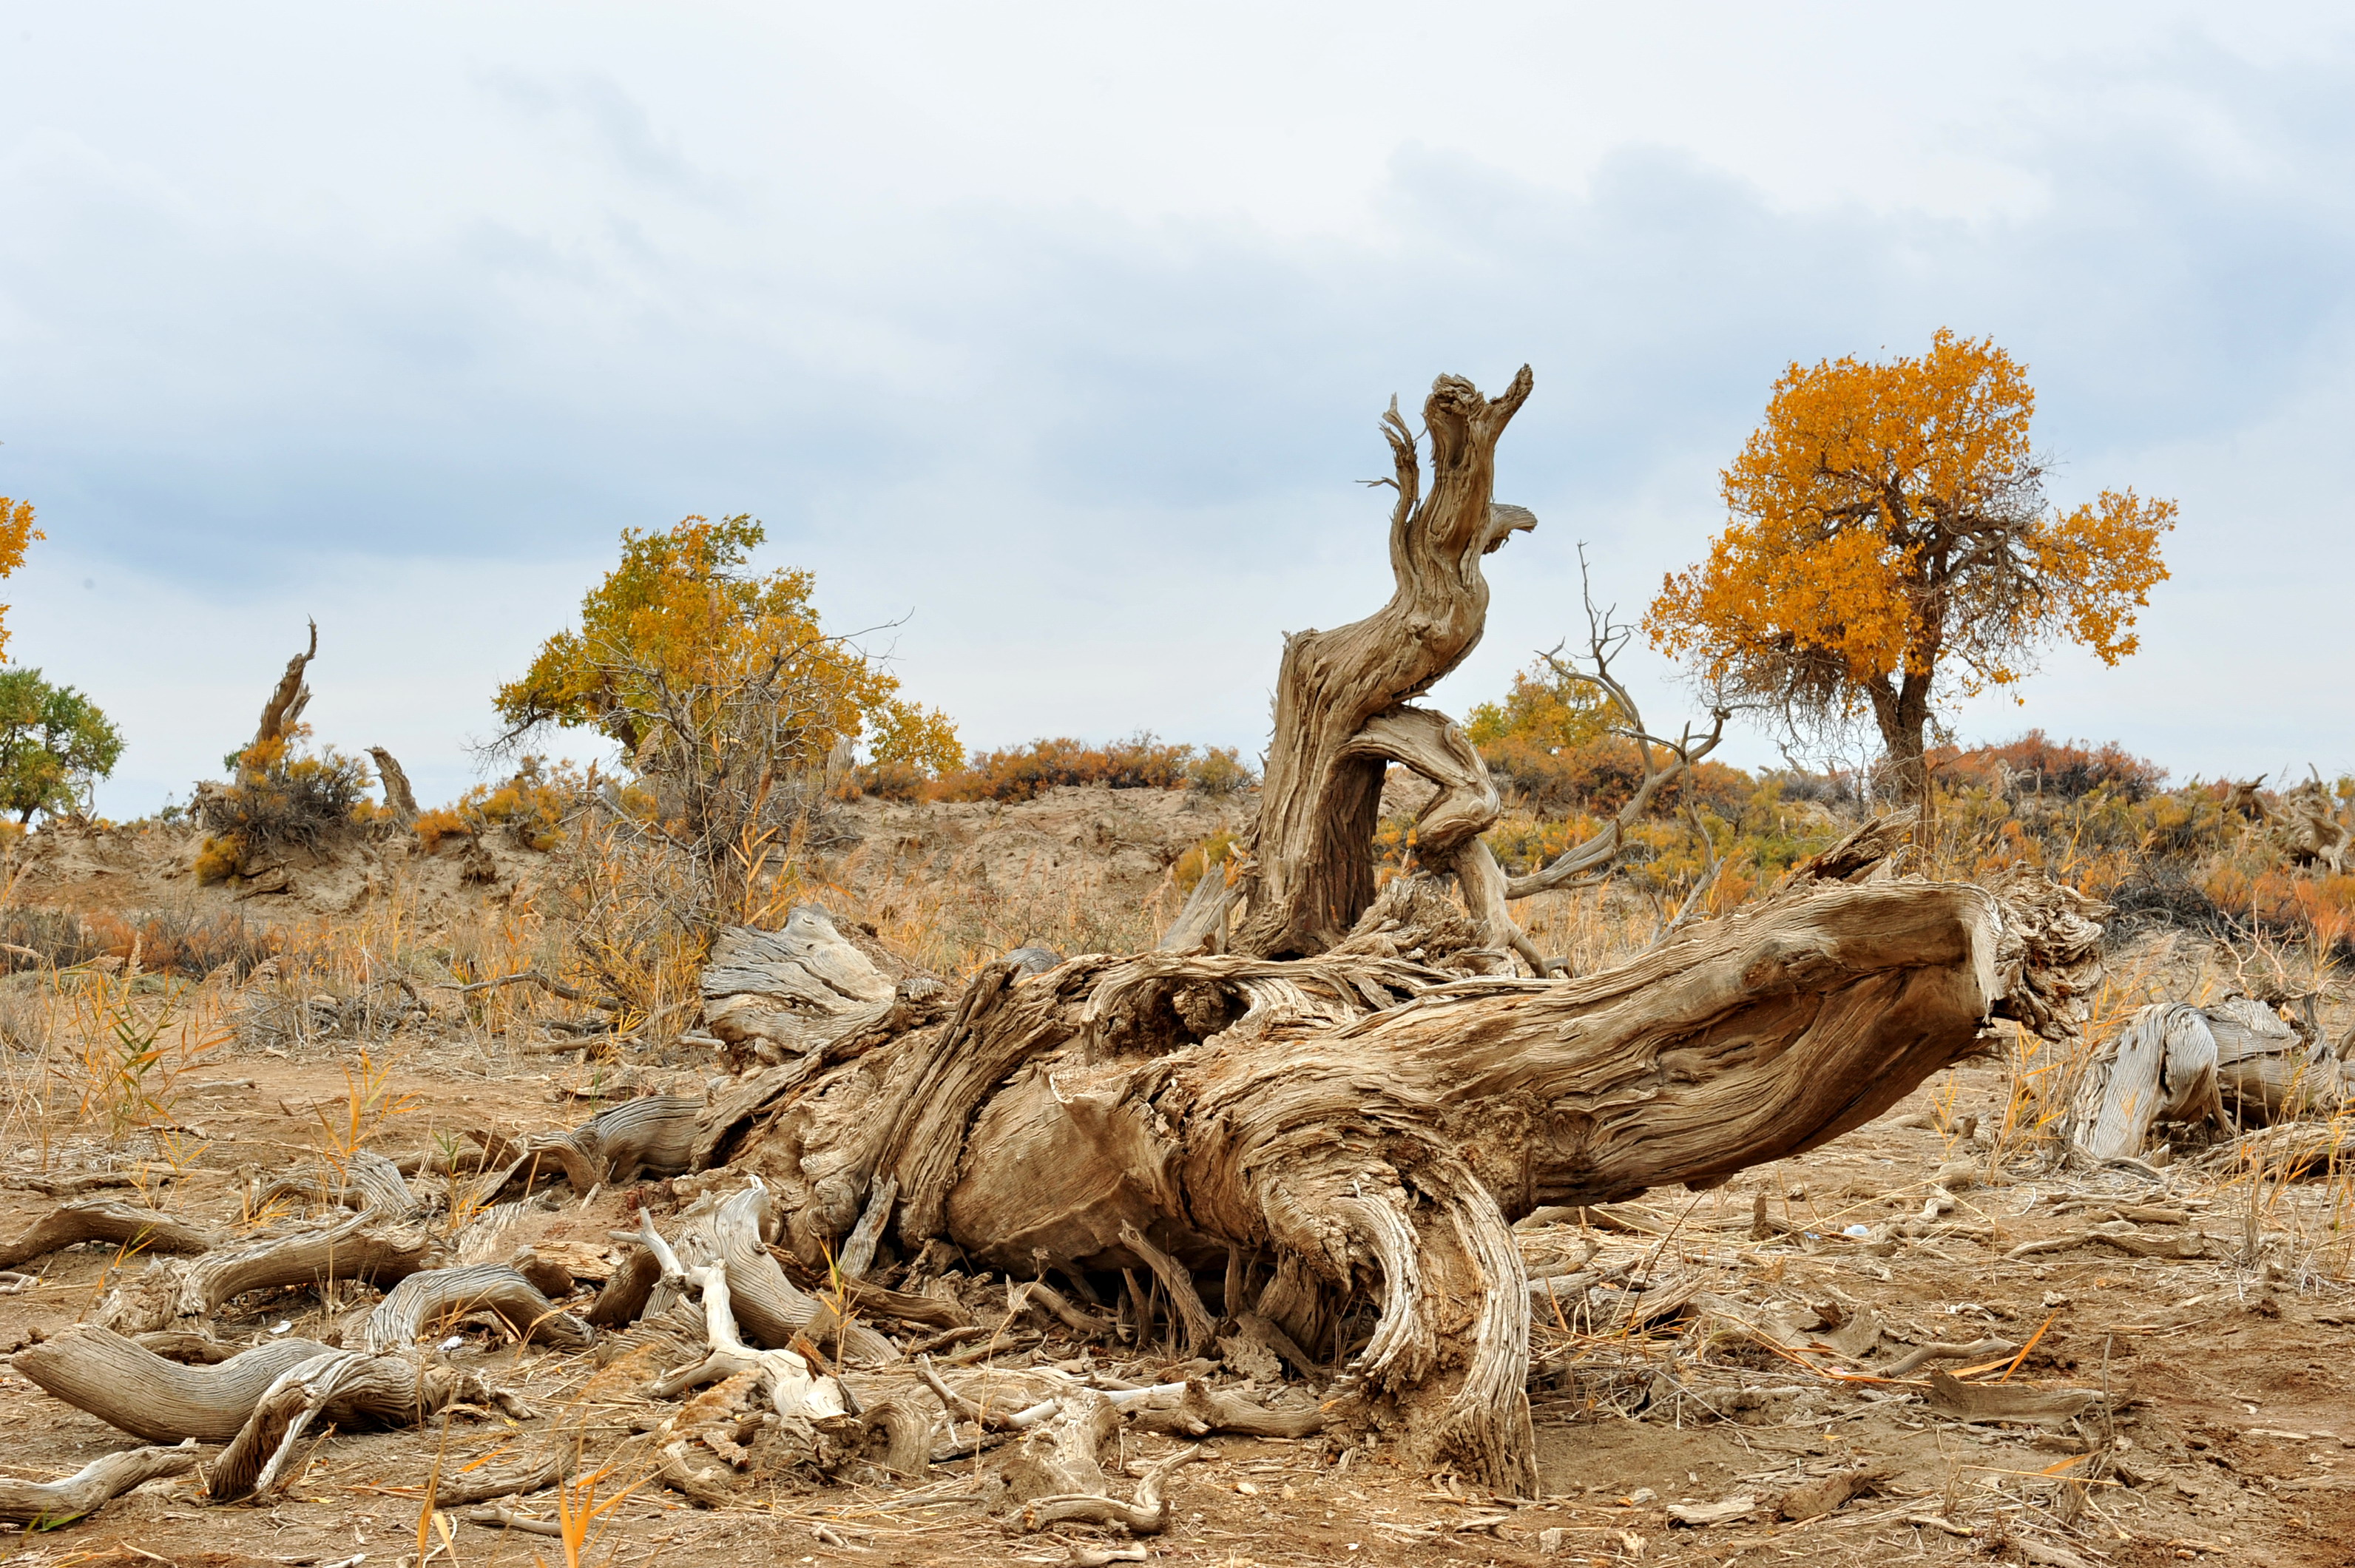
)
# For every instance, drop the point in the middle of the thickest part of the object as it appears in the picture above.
(1057, 334)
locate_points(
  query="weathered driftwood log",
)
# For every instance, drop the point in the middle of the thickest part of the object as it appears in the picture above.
(125, 1225)
(363, 1247)
(1374, 1121)
(776, 995)
(367, 1181)
(346, 1387)
(650, 1137)
(432, 1297)
(1062, 1454)
(138, 1390)
(557, 1464)
(2267, 1071)
(895, 1431)
(45, 1505)
(2161, 1068)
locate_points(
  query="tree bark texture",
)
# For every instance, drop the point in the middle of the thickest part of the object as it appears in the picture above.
(1375, 1123)
(1340, 713)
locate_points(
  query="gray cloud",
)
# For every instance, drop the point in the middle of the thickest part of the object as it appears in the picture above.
(1101, 458)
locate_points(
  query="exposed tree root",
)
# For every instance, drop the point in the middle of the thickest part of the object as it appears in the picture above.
(427, 1299)
(784, 1377)
(134, 1389)
(363, 1248)
(345, 1387)
(45, 1505)
(125, 1225)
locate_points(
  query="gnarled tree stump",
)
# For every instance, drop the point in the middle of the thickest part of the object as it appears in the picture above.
(1340, 713)
(1375, 1123)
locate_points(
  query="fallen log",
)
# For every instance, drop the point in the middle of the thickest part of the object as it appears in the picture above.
(1361, 1088)
(427, 1299)
(363, 1247)
(45, 1505)
(2161, 1068)
(2265, 1070)
(125, 1225)
(1147, 1513)
(507, 1481)
(650, 1137)
(367, 1181)
(774, 995)
(1376, 1122)
(134, 1389)
(345, 1388)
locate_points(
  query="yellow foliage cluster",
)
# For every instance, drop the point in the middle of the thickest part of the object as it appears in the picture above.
(1887, 521)
(282, 795)
(678, 635)
(16, 535)
(1544, 710)
(531, 805)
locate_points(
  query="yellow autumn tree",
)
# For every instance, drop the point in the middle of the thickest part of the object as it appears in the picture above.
(16, 535)
(720, 685)
(1890, 548)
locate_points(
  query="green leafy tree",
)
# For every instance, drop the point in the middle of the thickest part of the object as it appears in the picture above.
(55, 744)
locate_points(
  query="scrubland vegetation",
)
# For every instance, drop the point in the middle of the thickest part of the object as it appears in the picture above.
(310, 993)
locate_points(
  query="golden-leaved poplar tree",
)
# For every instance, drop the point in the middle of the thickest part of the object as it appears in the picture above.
(720, 685)
(1890, 546)
(16, 535)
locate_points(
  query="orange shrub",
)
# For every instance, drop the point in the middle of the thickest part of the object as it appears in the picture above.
(1023, 773)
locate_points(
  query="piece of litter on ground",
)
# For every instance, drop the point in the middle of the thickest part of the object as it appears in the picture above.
(1857, 1230)
(452, 1343)
(283, 1326)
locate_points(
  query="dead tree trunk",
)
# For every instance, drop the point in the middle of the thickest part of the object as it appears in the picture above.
(1339, 715)
(1342, 717)
(399, 798)
(1375, 1124)
(288, 698)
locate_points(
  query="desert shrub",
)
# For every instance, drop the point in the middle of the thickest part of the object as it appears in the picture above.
(281, 798)
(1212, 851)
(1550, 750)
(182, 941)
(1221, 771)
(1024, 773)
(531, 805)
(1835, 790)
(438, 823)
(2033, 764)
(1600, 776)
(900, 782)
